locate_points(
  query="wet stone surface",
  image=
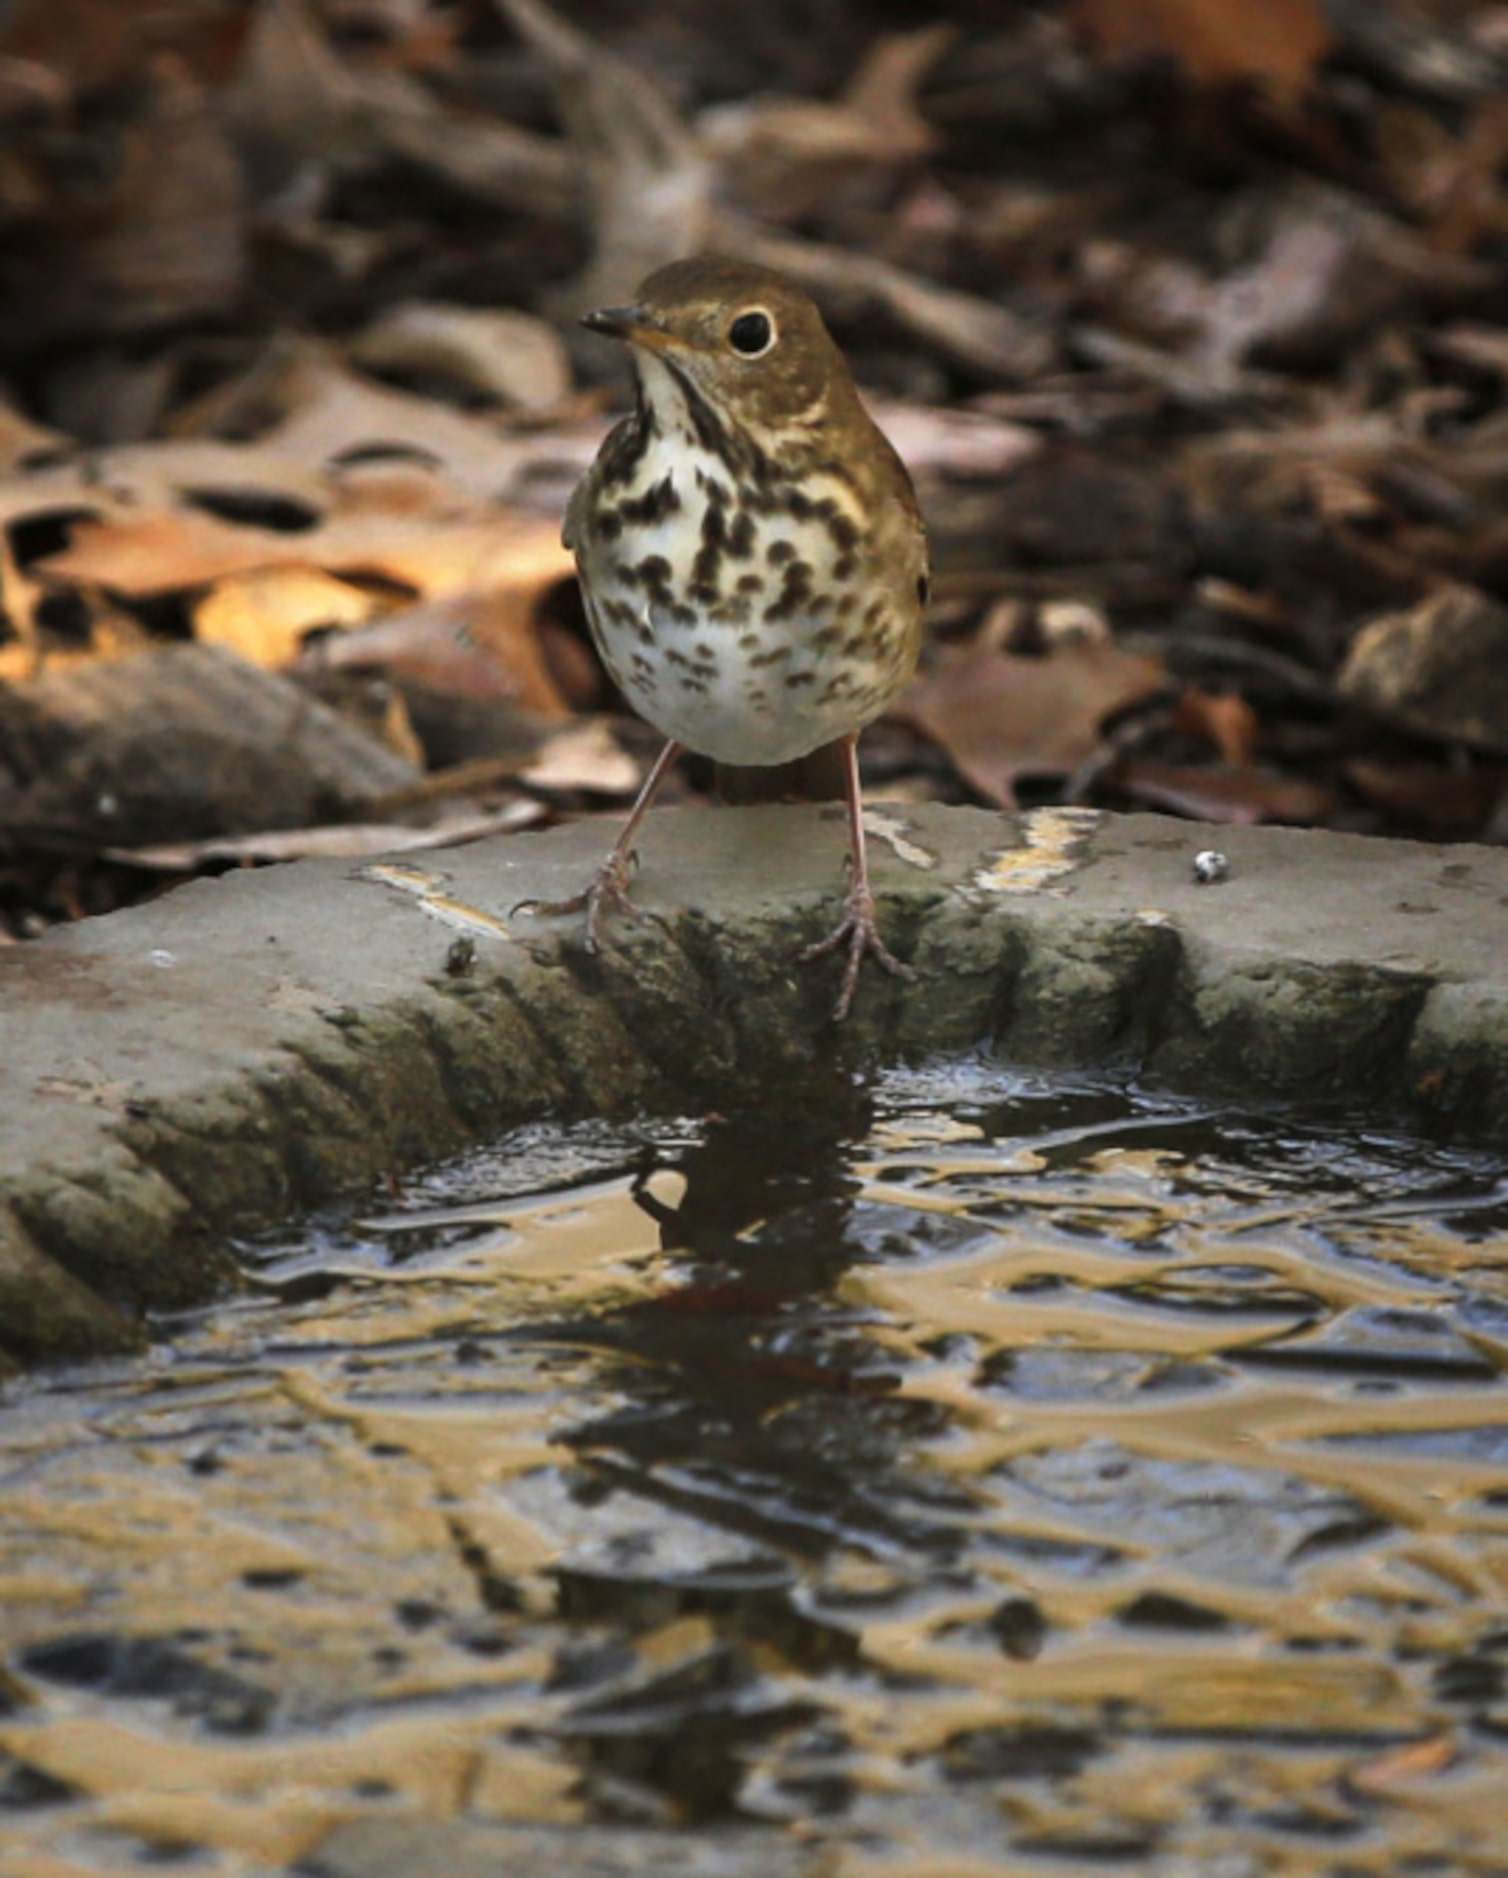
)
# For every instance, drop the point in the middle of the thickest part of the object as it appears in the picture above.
(966, 1472)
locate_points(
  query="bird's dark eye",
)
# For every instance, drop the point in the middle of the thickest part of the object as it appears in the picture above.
(752, 333)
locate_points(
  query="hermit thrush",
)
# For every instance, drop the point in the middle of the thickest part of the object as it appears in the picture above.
(751, 553)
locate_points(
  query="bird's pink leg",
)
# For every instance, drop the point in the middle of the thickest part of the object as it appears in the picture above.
(857, 930)
(609, 887)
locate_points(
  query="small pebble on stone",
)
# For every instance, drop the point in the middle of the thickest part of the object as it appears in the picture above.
(1210, 867)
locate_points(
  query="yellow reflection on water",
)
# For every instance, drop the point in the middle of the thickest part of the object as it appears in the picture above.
(1006, 1489)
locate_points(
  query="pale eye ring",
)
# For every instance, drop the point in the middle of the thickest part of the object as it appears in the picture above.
(752, 333)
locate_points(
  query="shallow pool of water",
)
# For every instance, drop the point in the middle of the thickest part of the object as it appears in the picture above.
(968, 1473)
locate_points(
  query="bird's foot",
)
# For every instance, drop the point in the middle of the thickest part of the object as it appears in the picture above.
(857, 933)
(608, 891)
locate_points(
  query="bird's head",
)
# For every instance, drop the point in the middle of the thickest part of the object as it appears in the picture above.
(752, 344)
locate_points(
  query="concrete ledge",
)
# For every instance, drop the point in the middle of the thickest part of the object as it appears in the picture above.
(264, 1042)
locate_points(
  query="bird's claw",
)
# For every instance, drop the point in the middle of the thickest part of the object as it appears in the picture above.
(607, 890)
(860, 933)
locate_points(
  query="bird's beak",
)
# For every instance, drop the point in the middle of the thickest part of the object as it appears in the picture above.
(636, 324)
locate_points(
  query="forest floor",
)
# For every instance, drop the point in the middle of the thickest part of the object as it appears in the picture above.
(1188, 318)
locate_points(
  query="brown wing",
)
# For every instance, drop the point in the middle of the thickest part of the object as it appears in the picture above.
(891, 488)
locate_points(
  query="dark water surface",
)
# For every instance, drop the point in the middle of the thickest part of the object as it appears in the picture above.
(971, 1474)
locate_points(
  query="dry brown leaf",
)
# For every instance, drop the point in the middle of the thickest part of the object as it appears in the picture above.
(1263, 468)
(95, 43)
(174, 244)
(293, 100)
(960, 444)
(333, 413)
(1429, 796)
(883, 90)
(479, 645)
(1224, 719)
(22, 440)
(584, 756)
(1289, 288)
(783, 157)
(64, 493)
(20, 598)
(306, 406)
(978, 334)
(111, 635)
(179, 549)
(1182, 378)
(1440, 667)
(1000, 716)
(139, 555)
(474, 154)
(508, 356)
(1242, 797)
(395, 487)
(239, 477)
(500, 549)
(1327, 271)
(1148, 295)
(1275, 43)
(1263, 610)
(267, 614)
(1484, 347)
(1453, 184)
(647, 184)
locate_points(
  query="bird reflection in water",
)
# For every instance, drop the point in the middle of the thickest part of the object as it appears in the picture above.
(752, 1380)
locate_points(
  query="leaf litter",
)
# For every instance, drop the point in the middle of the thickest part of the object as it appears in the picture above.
(1186, 316)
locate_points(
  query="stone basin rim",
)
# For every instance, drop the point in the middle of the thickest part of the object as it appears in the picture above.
(262, 1043)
